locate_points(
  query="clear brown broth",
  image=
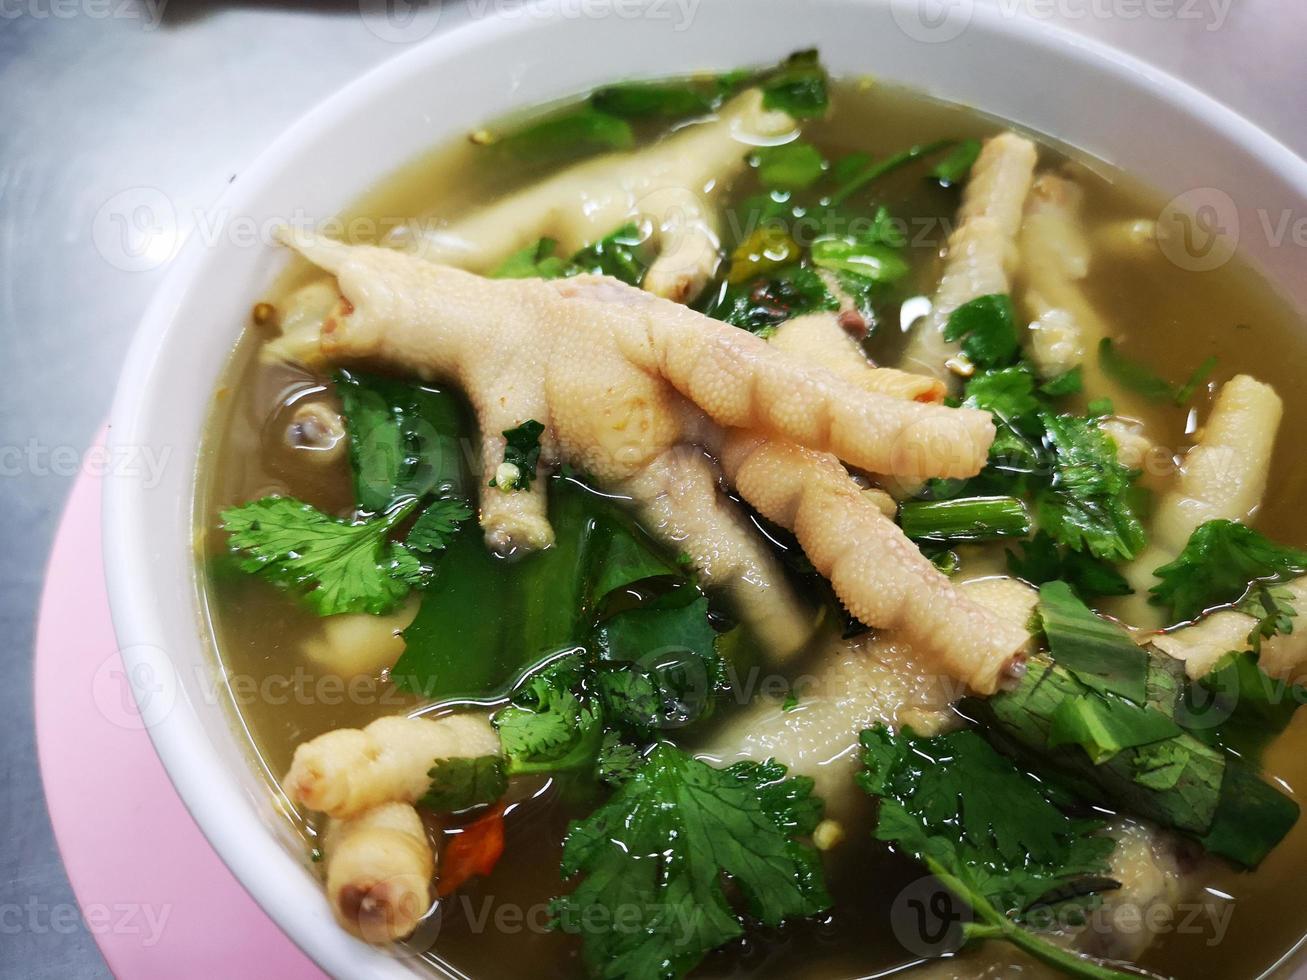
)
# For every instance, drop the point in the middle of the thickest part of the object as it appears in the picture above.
(1164, 315)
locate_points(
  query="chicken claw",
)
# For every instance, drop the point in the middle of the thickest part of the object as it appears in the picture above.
(668, 187)
(619, 378)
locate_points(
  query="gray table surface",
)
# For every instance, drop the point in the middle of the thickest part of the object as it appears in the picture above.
(99, 98)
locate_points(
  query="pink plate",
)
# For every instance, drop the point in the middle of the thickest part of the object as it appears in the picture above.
(153, 893)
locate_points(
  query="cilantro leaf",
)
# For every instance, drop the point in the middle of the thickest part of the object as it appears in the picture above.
(660, 850)
(1273, 608)
(618, 760)
(554, 730)
(335, 565)
(797, 86)
(434, 526)
(988, 831)
(521, 451)
(1218, 562)
(460, 783)
(987, 328)
(618, 254)
(1041, 560)
(1088, 506)
(759, 305)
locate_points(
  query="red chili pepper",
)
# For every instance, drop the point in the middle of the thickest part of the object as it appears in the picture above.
(473, 852)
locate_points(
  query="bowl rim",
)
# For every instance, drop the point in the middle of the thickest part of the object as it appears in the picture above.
(243, 842)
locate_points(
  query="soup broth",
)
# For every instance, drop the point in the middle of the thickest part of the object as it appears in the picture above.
(1160, 314)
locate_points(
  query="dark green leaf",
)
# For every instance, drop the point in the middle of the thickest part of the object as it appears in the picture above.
(536, 261)
(661, 849)
(1067, 383)
(790, 166)
(457, 784)
(797, 87)
(334, 565)
(1088, 507)
(666, 100)
(522, 450)
(1099, 652)
(877, 169)
(574, 133)
(1218, 562)
(987, 328)
(1103, 725)
(619, 254)
(762, 304)
(404, 439)
(434, 526)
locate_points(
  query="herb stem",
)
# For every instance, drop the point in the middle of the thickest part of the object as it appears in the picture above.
(992, 924)
(964, 519)
(879, 169)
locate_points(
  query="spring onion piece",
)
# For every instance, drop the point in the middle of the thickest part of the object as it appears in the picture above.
(964, 519)
(955, 166)
(880, 168)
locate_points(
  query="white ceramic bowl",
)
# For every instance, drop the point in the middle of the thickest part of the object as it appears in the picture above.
(1089, 96)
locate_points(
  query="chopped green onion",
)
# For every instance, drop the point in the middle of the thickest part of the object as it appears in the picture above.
(965, 519)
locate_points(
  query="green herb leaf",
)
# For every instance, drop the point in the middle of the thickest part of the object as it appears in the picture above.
(1186, 391)
(1098, 651)
(334, 565)
(522, 449)
(798, 86)
(1133, 375)
(1067, 383)
(619, 254)
(987, 328)
(762, 304)
(989, 833)
(1273, 608)
(666, 100)
(404, 439)
(545, 602)
(877, 169)
(460, 783)
(1088, 506)
(660, 850)
(434, 526)
(1218, 562)
(1041, 559)
(536, 261)
(789, 166)
(1103, 725)
(574, 133)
